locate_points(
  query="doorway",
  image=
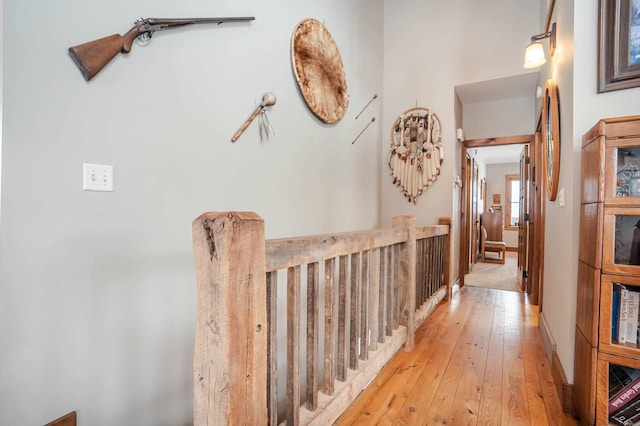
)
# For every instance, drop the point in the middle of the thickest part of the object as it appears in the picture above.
(475, 199)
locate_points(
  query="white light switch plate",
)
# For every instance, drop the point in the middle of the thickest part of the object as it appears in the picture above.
(97, 177)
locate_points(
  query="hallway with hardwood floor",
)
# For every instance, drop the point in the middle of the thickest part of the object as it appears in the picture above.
(478, 359)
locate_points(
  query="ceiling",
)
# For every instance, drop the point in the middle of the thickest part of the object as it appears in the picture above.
(498, 154)
(516, 86)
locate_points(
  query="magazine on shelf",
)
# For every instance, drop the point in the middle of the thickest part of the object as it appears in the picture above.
(629, 415)
(620, 378)
(628, 394)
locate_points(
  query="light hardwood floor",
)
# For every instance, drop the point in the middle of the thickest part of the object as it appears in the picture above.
(478, 359)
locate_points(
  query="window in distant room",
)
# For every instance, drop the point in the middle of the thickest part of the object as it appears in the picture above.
(512, 204)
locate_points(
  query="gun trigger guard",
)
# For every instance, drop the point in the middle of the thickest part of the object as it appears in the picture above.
(145, 36)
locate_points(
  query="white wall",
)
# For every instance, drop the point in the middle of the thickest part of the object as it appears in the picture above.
(589, 106)
(506, 117)
(430, 85)
(430, 47)
(562, 223)
(574, 70)
(97, 295)
(1, 91)
(98, 289)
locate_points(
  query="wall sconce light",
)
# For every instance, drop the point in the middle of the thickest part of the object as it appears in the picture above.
(534, 54)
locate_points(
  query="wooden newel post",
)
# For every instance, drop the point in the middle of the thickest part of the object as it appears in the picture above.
(407, 278)
(230, 357)
(446, 279)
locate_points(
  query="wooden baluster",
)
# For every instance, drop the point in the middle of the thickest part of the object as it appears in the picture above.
(425, 270)
(397, 287)
(406, 279)
(437, 264)
(446, 261)
(440, 261)
(432, 262)
(425, 261)
(293, 346)
(313, 277)
(422, 294)
(272, 347)
(374, 309)
(382, 288)
(364, 306)
(329, 346)
(418, 268)
(433, 265)
(394, 287)
(230, 357)
(342, 319)
(389, 293)
(354, 305)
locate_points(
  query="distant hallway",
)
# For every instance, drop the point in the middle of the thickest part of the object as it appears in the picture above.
(495, 275)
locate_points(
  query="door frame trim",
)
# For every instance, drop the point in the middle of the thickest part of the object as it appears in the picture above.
(463, 261)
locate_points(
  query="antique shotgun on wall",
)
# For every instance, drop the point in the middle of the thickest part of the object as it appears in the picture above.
(91, 57)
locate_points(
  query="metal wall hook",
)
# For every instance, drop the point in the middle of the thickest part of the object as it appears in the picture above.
(365, 128)
(367, 105)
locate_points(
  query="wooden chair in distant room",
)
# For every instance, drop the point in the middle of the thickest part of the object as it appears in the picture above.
(491, 238)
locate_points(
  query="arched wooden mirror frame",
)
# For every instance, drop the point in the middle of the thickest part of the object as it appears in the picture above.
(551, 138)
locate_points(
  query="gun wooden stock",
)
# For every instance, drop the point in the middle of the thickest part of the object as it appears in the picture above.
(92, 56)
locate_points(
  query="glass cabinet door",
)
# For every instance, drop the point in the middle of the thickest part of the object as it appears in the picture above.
(622, 178)
(621, 240)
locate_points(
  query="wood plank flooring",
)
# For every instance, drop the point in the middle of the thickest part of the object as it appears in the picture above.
(478, 359)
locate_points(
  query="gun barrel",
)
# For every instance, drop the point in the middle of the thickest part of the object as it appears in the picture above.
(187, 21)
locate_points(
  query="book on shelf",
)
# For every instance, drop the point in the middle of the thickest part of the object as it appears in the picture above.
(631, 337)
(622, 316)
(615, 311)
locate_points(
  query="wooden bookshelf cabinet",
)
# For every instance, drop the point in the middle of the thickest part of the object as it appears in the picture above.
(609, 213)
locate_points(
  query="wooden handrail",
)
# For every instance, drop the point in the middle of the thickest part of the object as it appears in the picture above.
(431, 231)
(286, 252)
(364, 291)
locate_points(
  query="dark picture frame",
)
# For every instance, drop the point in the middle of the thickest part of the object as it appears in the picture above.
(619, 45)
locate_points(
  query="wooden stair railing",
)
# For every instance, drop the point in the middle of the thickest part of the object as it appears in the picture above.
(376, 288)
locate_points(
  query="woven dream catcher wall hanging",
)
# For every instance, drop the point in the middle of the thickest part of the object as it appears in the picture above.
(416, 151)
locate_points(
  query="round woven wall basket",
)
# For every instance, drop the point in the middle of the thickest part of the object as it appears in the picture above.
(318, 69)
